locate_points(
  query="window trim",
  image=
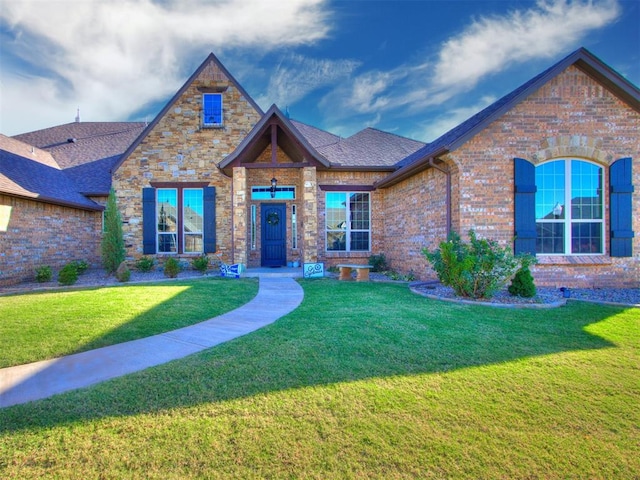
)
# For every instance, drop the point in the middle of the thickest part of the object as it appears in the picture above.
(568, 219)
(206, 124)
(180, 234)
(347, 230)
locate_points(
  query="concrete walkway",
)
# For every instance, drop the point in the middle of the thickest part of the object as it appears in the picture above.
(276, 297)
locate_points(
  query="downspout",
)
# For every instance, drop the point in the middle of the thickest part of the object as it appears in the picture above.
(447, 172)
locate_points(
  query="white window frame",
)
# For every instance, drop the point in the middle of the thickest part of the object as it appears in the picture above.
(568, 220)
(204, 120)
(347, 230)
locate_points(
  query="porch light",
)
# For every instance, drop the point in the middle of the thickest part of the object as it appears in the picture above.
(274, 184)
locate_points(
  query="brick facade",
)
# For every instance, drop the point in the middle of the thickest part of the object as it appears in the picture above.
(570, 116)
(35, 234)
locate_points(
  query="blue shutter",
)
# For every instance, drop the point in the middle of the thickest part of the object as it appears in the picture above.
(525, 206)
(621, 210)
(209, 200)
(148, 221)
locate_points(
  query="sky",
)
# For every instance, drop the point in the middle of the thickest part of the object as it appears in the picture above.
(413, 68)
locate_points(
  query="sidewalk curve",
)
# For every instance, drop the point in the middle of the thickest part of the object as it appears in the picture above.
(24, 383)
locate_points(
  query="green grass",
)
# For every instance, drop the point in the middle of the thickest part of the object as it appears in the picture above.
(361, 381)
(47, 325)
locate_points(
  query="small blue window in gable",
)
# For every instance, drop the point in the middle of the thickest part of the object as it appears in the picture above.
(212, 109)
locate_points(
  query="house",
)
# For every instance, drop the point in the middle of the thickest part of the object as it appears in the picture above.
(550, 169)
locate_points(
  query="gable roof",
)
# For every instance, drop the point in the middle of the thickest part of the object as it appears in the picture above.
(209, 60)
(581, 59)
(86, 150)
(288, 138)
(28, 172)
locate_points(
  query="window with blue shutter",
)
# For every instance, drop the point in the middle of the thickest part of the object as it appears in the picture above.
(212, 109)
(524, 207)
(178, 219)
(621, 208)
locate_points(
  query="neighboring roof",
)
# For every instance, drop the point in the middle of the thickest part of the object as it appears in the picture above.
(86, 150)
(28, 172)
(210, 59)
(581, 58)
(370, 148)
(288, 138)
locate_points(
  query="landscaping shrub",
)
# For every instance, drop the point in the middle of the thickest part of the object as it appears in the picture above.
(68, 275)
(378, 262)
(44, 274)
(123, 274)
(522, 284)
(112, 245)
(171, 267)
(201, 263)
(145, 264)
(81, 266)
(476, 269)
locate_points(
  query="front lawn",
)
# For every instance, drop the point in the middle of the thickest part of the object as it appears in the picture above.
(361, 381)
(45, 325)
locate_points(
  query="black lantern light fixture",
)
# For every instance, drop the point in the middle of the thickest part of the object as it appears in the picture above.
(274, 184)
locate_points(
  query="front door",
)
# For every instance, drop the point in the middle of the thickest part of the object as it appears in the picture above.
(274, 234)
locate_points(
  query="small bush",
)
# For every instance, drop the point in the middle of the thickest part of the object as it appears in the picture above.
(123, 274)
(44, 274)
(201, 263)
(145, 264)
(171, 267)
(477, 269)
(81, 266)
(378, 262)
(522, 284)
(68, 275)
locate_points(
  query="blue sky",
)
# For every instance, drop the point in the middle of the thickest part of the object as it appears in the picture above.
(415, 68)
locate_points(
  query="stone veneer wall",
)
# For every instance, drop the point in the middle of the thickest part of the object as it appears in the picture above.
(34, 234)
(570, 116)
(178, 149)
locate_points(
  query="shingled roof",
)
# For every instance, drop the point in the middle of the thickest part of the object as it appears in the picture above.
(370, 148)
(87, 151)
(29, 172)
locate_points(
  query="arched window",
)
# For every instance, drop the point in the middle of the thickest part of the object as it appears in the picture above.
(569, 207)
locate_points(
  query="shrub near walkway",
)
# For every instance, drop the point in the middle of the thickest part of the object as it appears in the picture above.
(50, 324)
(361, 381)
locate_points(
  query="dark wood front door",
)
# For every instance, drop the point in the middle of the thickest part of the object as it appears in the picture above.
(274, 234)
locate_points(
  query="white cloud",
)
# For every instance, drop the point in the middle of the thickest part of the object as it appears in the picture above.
(488, 46)
(135, 51)
(448, 120)
(297, 76)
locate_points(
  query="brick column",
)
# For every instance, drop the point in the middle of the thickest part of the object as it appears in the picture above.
(239, 247)
(309, 215)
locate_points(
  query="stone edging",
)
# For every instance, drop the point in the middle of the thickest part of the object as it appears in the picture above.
(533, 306)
